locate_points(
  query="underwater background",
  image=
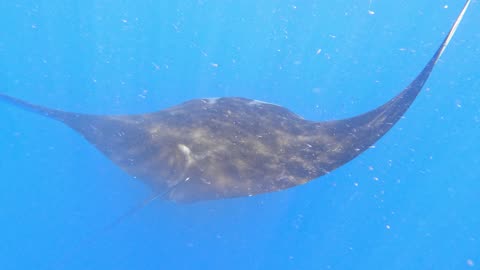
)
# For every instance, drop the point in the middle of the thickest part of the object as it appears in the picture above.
(411, 202)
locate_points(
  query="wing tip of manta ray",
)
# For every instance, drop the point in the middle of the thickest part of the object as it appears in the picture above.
(451, 32)
(44, 111)
(425, 73)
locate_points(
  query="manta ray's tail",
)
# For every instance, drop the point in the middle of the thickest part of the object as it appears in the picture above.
(47, 112)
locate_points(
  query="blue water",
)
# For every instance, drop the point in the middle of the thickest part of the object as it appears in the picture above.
(410, 203)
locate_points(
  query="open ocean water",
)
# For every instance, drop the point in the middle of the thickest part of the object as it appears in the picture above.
(412, 202)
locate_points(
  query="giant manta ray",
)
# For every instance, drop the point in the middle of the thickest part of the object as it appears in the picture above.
(215, 148)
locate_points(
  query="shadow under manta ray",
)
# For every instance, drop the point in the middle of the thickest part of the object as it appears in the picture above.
(207, 149)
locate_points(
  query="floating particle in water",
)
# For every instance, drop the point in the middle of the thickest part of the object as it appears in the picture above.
(458, 103)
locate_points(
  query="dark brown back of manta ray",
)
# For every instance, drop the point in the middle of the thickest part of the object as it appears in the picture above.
(214, 148)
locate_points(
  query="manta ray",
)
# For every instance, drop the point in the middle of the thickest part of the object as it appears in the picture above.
(216, 148)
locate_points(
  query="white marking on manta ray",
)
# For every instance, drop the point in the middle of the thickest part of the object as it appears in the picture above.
(210, 101)
(259, 102)
(256, 102)
(187, 152)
